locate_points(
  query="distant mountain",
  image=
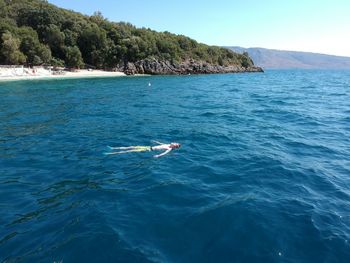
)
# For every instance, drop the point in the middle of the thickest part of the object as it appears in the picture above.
(280, 59)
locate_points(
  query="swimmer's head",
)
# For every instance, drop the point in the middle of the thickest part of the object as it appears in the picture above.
(175, 145)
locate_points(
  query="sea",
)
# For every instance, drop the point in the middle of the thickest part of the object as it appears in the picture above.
(262, 175)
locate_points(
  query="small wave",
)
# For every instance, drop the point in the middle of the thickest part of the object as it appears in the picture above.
(224, 203)
(346, 119)
(234, 90)
(337, 94)
(310, 149)
(208, 114)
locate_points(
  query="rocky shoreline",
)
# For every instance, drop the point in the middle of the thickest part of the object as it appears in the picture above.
(156, 67)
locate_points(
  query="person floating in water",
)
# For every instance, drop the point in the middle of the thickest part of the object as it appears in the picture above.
(160, 147)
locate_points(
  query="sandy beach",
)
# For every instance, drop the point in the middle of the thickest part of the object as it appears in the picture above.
(22, 73)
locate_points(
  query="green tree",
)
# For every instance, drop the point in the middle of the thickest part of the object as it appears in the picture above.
(44, 53)
(92, 44)
(3, 9)
(113, 55)
(97, 18)
(55, 39)
(57, 62)
(73, 57)
(246, 60)
(10, 50)
(70, 37)
(37, 60)
(38, 14)
(36, 52)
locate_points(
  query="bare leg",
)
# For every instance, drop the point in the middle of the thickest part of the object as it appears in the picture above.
(130, 151)
(117, 152)
(122, 148)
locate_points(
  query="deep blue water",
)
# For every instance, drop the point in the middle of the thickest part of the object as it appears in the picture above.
(263, 174)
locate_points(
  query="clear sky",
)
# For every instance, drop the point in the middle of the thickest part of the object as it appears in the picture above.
(321, 26)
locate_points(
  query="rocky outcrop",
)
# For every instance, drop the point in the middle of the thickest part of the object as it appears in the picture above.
(156, 67)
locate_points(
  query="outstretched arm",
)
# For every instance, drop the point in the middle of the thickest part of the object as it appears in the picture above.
(164, 153)
(157, 142)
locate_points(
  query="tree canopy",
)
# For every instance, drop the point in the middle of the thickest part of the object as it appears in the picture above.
(35, 32)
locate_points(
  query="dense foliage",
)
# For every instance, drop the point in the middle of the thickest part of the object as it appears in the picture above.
(35, 32)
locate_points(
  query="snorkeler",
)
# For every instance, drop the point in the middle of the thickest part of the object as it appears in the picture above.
(161, 146)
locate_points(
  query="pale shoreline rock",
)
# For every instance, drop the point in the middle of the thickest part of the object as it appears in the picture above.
(156, 67)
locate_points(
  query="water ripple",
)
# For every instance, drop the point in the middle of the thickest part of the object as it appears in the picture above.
(262, 174)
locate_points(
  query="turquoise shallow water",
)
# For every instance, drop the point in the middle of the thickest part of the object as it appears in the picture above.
(263, 174)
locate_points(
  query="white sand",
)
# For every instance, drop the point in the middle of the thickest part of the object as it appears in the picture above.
(21, 73)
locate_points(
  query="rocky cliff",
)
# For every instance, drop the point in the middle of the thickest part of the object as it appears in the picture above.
(156, 67)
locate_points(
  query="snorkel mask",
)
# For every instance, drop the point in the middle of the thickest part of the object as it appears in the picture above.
(174, 145)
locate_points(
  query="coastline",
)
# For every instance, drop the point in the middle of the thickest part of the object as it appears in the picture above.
(142, 68)
(46, 74)
(189, 66)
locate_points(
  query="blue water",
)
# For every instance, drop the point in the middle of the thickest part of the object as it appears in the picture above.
(263, 174)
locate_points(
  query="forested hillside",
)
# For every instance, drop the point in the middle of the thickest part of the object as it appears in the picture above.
(34, 32)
